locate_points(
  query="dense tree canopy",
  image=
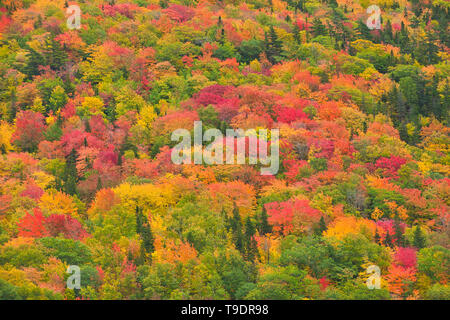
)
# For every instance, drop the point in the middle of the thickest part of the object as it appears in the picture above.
(86, 177)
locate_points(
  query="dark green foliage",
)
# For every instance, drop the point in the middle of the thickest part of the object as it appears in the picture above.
(235, 225)
(398, 235)
(55, 56)
(72, 252)
(250, 245)
(8, 291)
(250, 50)
(377, 237)
(419, 240)
(264, 226)
(318, 164)
(321, 227)
(145, 233)
(70, 177)
(318, 28)
(99, 183)
(296, 33)
(273, 46)
(53, 132)
(34, 60)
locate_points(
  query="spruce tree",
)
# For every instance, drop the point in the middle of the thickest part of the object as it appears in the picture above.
(301, 5)
(445, 101)
(264, 226)
(363, 31)
(307, 29)
(419, 240)
(322, 225)
(403, 39)
(296, 33)
(87, 126)
(38, 22)
(272, 46)
(398, 235)
(276, 43)
(147, 238)
(55, 56)
(249, 240)
(70, 177)
(139, 221)
(99, 183)
(318, 28)
(435, 107)
(128, 145)
(377, 237)
(432, 48)
(145, 233)
(12, 110)
(236, 229)
(58, 184)
(34, 60)
(387, 32)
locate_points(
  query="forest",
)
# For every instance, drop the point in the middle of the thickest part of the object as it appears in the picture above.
(86, 177)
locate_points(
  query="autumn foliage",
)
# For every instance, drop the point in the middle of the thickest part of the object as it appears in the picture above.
(87, 179)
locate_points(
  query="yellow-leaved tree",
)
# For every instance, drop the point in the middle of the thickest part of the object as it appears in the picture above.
(6, 131)
(345, 225)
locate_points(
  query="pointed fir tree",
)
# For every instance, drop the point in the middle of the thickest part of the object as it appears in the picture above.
(307, 29)
(38, 22)
(322, 225)
(55, 56)
(12, 110)
(222, 36)
(87, 126)
(147, 238)
(377, 237)
(445, 101)
(296, 33)
(333, 3)
(99, 183)
(435, 107)
(276, 43)
(398, 235)
(34, 60)
(388, 240)
(264, 226)
(419, 240)
(145, 233)
(318, 28)
(70, 174)
(249, 240)
(139, 221)
(58, 184)
(403, 39)
(272, 46)
(387, 32)
(236, 229)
